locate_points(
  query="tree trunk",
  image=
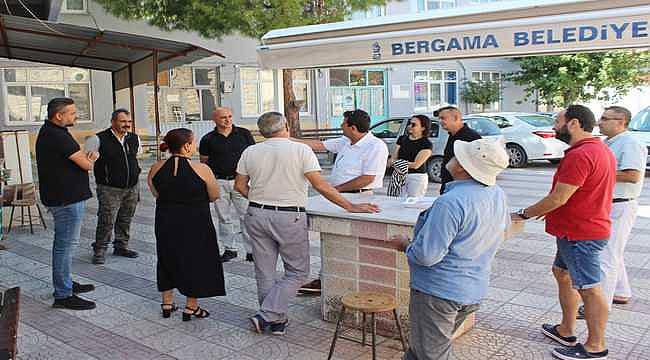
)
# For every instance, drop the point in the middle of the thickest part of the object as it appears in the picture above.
(291, 106)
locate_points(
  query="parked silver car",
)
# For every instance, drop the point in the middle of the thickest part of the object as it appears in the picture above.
(391, 129)
(640, 128)
(528, 137)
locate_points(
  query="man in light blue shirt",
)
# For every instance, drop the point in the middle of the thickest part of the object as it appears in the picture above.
(631, 158)
(453, 246)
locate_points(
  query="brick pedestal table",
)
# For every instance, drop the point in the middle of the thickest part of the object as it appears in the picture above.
(357, 256)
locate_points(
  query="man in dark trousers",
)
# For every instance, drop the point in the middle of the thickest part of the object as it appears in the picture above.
(221, 149)
(116, 175)
(63, 186)
(452, 120)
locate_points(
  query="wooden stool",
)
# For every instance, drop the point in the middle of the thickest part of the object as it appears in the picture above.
(367, 303)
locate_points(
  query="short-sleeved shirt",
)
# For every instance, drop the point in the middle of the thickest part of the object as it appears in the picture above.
(223, 152)
(591, 166)
(409, 150)
(368, 156)
(277, 168)
(465, 134)
(61, 180)
(630, 155)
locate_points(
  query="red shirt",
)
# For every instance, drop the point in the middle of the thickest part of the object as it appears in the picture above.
(590, 165)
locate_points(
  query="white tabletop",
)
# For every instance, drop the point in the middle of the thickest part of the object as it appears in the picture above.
(393, 210)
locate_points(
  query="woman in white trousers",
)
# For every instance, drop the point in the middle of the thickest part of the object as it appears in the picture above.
(416, 148)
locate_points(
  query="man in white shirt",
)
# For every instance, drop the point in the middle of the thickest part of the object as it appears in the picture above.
(630, 170)
(360, 163)
(274, 175)
(360, 156)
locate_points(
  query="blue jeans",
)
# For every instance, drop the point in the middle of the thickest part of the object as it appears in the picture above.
(67, 231)
(581, 259)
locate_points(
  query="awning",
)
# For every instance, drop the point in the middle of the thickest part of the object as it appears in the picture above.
(505, 29)
(84, 47)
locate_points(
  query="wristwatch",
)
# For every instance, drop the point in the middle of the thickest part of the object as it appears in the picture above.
(522, 214)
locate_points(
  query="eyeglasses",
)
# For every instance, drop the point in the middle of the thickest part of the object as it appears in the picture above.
(412, 124)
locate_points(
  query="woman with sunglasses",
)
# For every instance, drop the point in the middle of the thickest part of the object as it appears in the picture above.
(415, 148)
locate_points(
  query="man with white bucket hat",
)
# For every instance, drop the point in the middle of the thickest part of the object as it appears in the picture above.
(453, 246)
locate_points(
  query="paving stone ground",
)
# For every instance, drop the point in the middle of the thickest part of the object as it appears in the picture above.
(127, 323)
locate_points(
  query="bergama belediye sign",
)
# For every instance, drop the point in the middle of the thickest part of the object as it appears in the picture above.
(605, 34)
(466, 41)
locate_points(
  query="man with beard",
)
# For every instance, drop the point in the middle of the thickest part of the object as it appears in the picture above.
(63, 185)
(577, 213)
(116, 175)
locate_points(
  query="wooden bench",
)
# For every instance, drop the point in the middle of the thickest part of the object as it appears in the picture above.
(9, 311)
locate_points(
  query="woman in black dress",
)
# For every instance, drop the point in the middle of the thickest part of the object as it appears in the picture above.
(186, 241)
(416, 149)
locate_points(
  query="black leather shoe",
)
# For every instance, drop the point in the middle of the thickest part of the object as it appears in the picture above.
(82, 288)
(73, 303)
(126, 253)
(228, 255)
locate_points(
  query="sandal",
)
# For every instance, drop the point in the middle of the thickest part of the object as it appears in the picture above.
(168, 309)
(198, 312)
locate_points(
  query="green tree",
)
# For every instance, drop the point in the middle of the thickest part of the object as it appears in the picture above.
(560, 80)
(482, 92)
(254, 18)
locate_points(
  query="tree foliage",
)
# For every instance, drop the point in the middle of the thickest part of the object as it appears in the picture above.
(561, 80)
(482, 92)
(216, 18)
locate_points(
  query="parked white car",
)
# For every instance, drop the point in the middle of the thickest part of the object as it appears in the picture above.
(528, 137)
(640, 128)
(390, 130)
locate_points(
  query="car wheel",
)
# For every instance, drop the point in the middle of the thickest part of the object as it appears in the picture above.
(434, 169)
(554, 161)
(518, 157)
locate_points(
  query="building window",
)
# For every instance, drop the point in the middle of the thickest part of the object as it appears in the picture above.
(188, 94)
(28, 90)
(74, 6)
(429, 5)
(302, 89)
(433, 89)
(486, 76)
(257, 91)
(372, 12)
(358, 89)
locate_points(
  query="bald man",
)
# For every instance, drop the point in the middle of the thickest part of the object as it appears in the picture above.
(452, 120)
(221, 149)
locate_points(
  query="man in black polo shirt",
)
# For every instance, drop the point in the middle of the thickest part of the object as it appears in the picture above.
(116, 175)
(63, 185)
(452, 120)
(221, 149)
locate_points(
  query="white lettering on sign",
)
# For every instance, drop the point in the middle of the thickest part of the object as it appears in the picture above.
(570, 34)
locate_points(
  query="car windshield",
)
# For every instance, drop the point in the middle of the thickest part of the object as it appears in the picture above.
(641, 121)
(483, 126)
(536, 120)
(387, 129)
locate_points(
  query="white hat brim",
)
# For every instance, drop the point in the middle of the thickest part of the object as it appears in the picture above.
(462, 154)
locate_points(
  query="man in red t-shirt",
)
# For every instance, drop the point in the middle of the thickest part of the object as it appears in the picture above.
(577, 214)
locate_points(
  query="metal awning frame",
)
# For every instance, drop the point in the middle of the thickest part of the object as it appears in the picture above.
(127, 56)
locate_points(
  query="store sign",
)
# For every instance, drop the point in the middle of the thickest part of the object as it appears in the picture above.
(520, 40)
(466, 41)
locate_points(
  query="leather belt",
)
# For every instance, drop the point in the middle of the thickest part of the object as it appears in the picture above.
(227, 177)
(619, 200)
(355, 191)
(277, 208)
